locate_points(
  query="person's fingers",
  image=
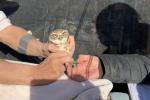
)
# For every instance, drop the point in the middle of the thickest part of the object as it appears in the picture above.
(83, 58)
(69, 70)
(92, 70)
(85, 69)
(66, 59)
(58, 54)
(92, 77)
(79, 78)
(73, 71)
(78, 75)
(45, 51)
(71, 44)
(61, 57)
(81, 67)
(78, 71)
(90, 63)
(93, 74)
(95, 62)
(63, 68)
(52, 47)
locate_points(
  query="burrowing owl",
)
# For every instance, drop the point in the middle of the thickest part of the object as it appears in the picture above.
(60, 38)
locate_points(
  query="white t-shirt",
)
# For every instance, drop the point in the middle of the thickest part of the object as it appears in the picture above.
(4, 21)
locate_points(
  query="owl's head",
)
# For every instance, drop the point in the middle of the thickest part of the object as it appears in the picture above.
(59, 36)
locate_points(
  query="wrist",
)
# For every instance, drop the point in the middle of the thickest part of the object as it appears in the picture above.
(31, 76)
(44, 50)
(38, 77)
(36, 48)
(34, 76)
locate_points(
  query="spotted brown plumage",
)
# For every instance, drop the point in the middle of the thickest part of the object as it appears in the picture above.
(60, 38)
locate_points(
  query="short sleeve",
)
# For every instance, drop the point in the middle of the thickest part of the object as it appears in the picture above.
(4, 21)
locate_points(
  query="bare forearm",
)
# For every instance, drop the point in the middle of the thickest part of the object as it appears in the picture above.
(11, 73)
(12, 35)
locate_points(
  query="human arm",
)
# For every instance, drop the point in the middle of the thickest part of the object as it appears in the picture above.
(13, 36)
(46, 72)
(20, 40)
(132, 68)
(87, 68)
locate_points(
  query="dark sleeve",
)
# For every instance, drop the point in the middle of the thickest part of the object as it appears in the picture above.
(131, 68)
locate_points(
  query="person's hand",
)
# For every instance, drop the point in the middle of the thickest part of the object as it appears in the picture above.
(71, 44)
(87, 68)
(48, 48)
(51, 68)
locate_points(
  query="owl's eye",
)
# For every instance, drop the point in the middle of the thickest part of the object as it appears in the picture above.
(54, 36)
(64, 35)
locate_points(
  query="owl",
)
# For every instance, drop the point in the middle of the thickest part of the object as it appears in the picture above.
(60, 37)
